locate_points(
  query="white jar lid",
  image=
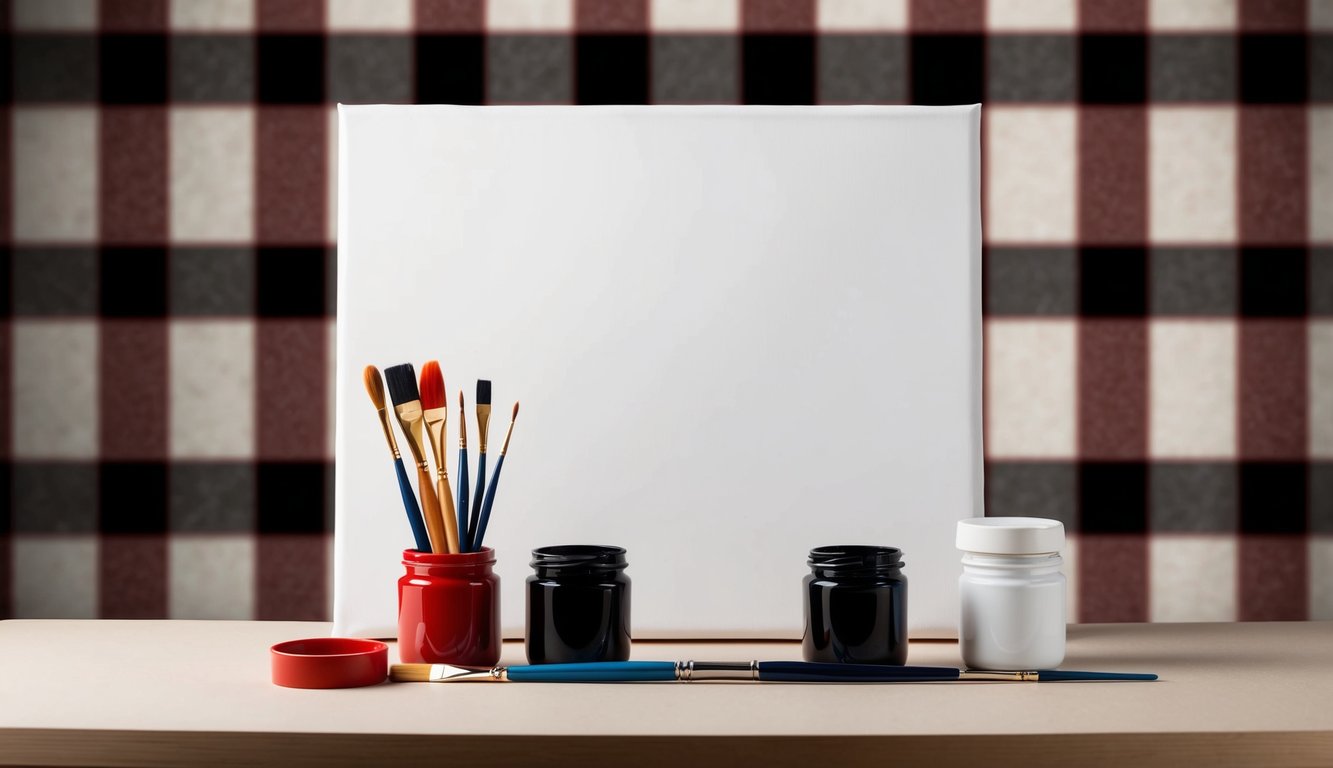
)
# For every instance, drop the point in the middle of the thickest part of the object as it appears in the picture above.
(1010, 535)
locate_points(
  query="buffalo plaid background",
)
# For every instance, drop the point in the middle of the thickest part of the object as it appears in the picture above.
(1158, 192)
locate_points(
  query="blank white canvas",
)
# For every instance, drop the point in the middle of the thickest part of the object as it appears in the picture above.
(737, 333)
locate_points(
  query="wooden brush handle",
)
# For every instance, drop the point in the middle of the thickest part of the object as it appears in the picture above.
(446, 497)
(430, 512)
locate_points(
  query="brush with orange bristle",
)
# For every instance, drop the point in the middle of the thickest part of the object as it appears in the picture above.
(375, 388)
(490, 489)
(436, 413)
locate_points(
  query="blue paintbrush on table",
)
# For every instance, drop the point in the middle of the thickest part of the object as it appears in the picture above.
(752, 671)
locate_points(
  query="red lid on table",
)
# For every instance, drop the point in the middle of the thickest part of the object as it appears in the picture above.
(329, 662)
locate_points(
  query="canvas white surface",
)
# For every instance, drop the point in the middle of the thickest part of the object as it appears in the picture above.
(737, 333)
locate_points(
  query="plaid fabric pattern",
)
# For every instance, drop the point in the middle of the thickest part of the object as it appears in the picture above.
(1158, 194)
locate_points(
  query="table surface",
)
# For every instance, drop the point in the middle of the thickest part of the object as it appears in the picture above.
(75, 690)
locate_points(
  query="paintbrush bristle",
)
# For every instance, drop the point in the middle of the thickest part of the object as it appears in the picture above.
(374, 385)
(410, 673)
(483, 391)
(402, 381)
(432, 386)
(460, 397)
(515, 414)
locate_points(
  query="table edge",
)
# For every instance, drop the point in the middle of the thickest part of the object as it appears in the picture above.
(57, 747)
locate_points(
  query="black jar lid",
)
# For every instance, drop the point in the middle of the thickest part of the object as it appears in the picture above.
(854, 560)
(578, 558)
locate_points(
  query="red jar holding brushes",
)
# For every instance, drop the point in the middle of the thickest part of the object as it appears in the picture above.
(449, 608)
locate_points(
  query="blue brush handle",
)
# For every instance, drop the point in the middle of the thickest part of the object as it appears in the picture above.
(475, 520)
(486, 506)
(464, 535)
(410, 506)
(814, 672)
(1057, 675)
(595, 672)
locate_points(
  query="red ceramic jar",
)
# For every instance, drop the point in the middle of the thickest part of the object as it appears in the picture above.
(449, 609)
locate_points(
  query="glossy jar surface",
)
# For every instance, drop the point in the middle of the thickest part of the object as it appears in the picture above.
(449, 609)
(1012, 611)
(855, 606)
(578, 605)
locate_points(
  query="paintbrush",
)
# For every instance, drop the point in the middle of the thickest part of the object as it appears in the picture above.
(465, 535)
(375, 388)
(495, 481)
(753, 671)
(436, 415)
(402, 380)
(483, 431)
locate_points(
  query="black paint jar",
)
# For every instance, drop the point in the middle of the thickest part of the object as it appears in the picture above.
(578, 605)
(855, 606)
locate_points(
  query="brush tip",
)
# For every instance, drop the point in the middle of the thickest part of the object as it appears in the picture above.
(374, 385)
(515, 414)
(402, 380)
(460, 397)
(410, 673)
(483, 391)
(432, 385)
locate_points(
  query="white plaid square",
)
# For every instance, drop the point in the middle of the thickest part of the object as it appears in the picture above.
(55, 174)
(212, 178)
(1031, 179)
(696, 16)
(212, 15)
(1031, 388)
(530, 15)
(1192, 174)
(368, 15)
(1193, 577)
(211, 576)
(55, 409)
(212, 391)
(1031, 15)
(1192, 389)
(861, 15)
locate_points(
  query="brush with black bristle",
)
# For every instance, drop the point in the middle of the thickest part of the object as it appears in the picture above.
(483, 431)
(375, 388)
(402, 381)
(464, 535)
(495, 481)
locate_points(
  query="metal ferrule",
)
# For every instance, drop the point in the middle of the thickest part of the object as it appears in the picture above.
(436, 419)
(447, 673)
(688, 671)
(388, 433)
(409, 418)
(483, 426)
(1026, 677)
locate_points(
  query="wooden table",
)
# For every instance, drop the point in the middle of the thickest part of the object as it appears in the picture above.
(188, 692)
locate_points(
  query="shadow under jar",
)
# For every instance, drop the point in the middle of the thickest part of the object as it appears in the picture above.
(578, 605)
(855, 606)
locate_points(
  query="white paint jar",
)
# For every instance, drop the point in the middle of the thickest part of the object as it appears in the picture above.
(1012, 593)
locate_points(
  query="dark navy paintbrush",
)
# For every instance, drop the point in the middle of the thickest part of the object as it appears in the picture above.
(375, 388)
(753, 671)
(495, 481)
(483, 433)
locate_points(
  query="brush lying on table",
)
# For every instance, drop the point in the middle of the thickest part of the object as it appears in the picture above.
(754, 671)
